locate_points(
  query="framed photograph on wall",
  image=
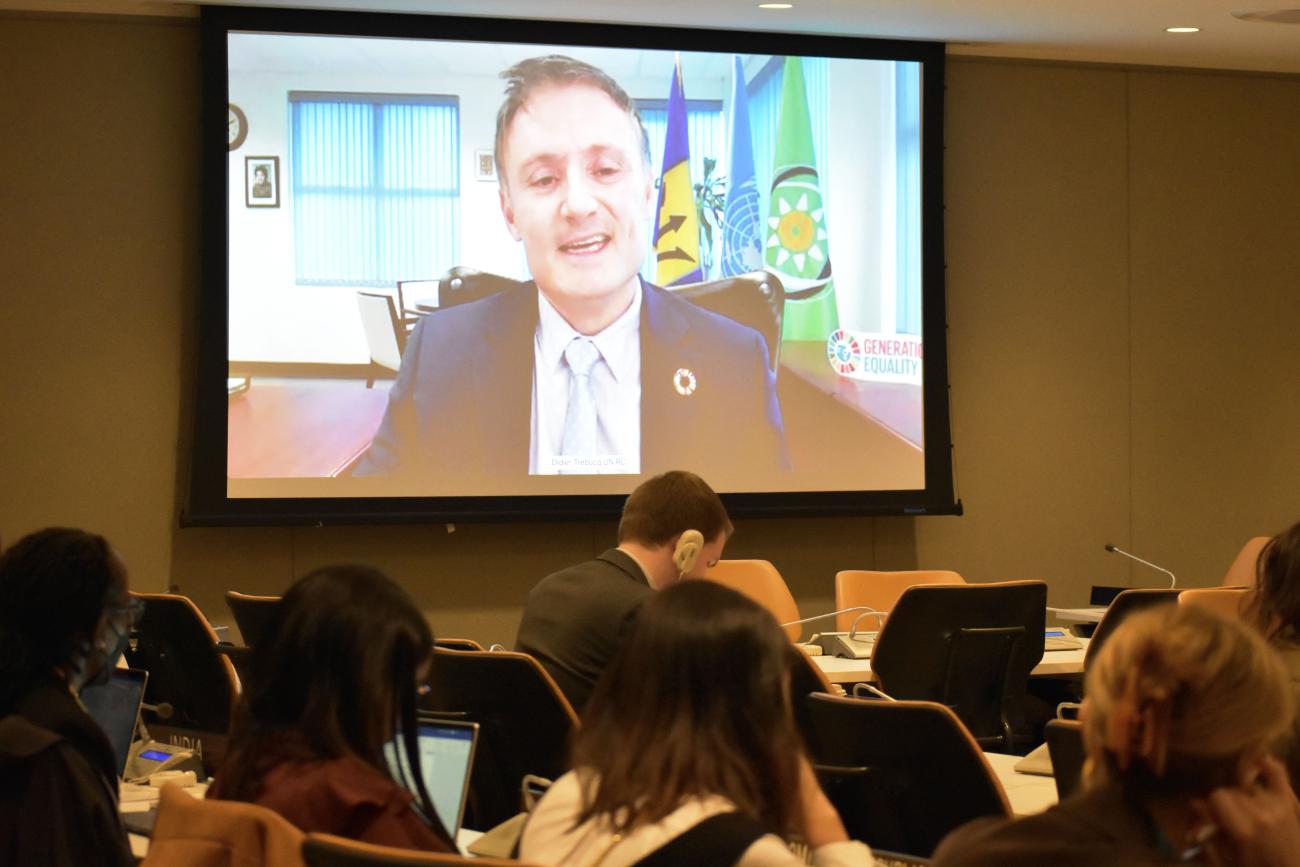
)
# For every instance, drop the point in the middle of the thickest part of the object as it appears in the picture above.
(262, 182)
(485, 167)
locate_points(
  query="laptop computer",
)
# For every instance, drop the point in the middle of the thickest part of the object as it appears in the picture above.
(115, 706)
(446, 759)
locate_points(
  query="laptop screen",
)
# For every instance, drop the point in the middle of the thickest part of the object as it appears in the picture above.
(115, 705)
(446, 758)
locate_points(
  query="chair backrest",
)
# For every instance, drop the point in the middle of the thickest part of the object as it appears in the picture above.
(806, 678)
(384, 333)
(1228, 601)
(756, 299)
(175, 643)
(193, 832)
(901, 774)
(252, 614)
(457, 644)
(759, 580)
(524, 720)
(970, 646)
(1242, 571)
(326, 850)
(1065, 746)
(1121, 607)
(880, 590)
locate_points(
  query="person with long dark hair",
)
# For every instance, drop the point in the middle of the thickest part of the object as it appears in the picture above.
(688, 749)
(334, 680)
(1274, 608)
(65, 615)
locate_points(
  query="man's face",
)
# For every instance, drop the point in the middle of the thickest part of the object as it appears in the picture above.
(576, 190)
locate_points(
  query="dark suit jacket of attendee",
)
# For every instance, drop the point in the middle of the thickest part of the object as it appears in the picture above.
(58, 785)
(575, 620)
(462, 403)
(1095, 826)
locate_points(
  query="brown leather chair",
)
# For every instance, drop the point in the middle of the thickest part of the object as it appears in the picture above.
(970, 647)
(902, 775)
(193, 831)
(525, 723)
(760, 581)
(251, 613)
(1242, 572)
(1121, 607)
(326, 850)
(1228, 601)
(856, 588)
(756, 299)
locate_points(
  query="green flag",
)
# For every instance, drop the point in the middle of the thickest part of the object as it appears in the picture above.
(797, 249)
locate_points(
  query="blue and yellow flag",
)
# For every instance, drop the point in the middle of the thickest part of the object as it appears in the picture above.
(742, 244)
(677, 223)
(797, 250)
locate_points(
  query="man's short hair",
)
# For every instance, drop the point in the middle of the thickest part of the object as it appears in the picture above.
(528, 76)
(667, 505)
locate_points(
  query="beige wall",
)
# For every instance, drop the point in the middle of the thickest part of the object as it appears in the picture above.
(1124, 293)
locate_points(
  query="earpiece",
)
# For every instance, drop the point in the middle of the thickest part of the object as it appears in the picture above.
(689, 546)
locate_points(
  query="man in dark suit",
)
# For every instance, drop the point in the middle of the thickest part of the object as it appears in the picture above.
(575, 619)
(596, 371)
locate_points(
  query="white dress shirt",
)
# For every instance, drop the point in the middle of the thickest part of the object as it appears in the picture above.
(615, 384)
(551, 838)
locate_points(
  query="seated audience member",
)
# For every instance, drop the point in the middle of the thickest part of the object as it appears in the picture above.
(64, 619)
(1274, 608)
(575, 619)
(333, 681)
(1183, 708)
(688, 752)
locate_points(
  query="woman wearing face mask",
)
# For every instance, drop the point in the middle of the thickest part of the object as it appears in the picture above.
(64, 617)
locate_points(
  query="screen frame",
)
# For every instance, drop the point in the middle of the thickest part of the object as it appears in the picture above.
(208, 503)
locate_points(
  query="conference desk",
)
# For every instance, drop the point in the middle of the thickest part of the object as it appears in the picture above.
(1054, 662)
(1026, 793)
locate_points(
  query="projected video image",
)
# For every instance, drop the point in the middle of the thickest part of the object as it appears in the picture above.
(471, 268)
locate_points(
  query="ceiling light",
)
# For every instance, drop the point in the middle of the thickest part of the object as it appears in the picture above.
(775, 5)
(1182, 30)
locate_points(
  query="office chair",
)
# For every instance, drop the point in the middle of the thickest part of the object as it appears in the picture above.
(192, 685)
(756, 299)
(524, 724)
(856, 588)
(192, 830)
(968, 646)
(1065, 746)
(1121, 607)
(252, 614)
(326, 850)
(1243, 571)
(457, 644)
(806, 679)
(385, 333)
(1231, 602)
(759, 580)
(902, 775)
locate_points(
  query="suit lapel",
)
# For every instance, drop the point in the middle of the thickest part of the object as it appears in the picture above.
(667, 418)
(503, 375)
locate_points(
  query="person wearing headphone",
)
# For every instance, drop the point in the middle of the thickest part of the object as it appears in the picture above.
(674, 526)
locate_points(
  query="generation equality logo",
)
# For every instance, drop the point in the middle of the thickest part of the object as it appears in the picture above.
(876, 357)
(844, 352)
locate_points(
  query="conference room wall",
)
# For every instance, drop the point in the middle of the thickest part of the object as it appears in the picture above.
(1122, 275)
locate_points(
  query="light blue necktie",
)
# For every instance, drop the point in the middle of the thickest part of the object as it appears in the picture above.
(580, 416)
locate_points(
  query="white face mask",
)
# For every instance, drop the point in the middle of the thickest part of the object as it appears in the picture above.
(100, 656)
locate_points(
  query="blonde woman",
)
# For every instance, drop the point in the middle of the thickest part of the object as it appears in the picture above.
(1184, 710)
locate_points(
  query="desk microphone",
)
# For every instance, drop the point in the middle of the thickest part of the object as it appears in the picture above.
(163, 710)
(866, 610)
(1172, 580)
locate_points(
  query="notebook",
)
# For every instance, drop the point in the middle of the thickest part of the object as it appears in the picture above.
(115, 706)
(446, 759)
